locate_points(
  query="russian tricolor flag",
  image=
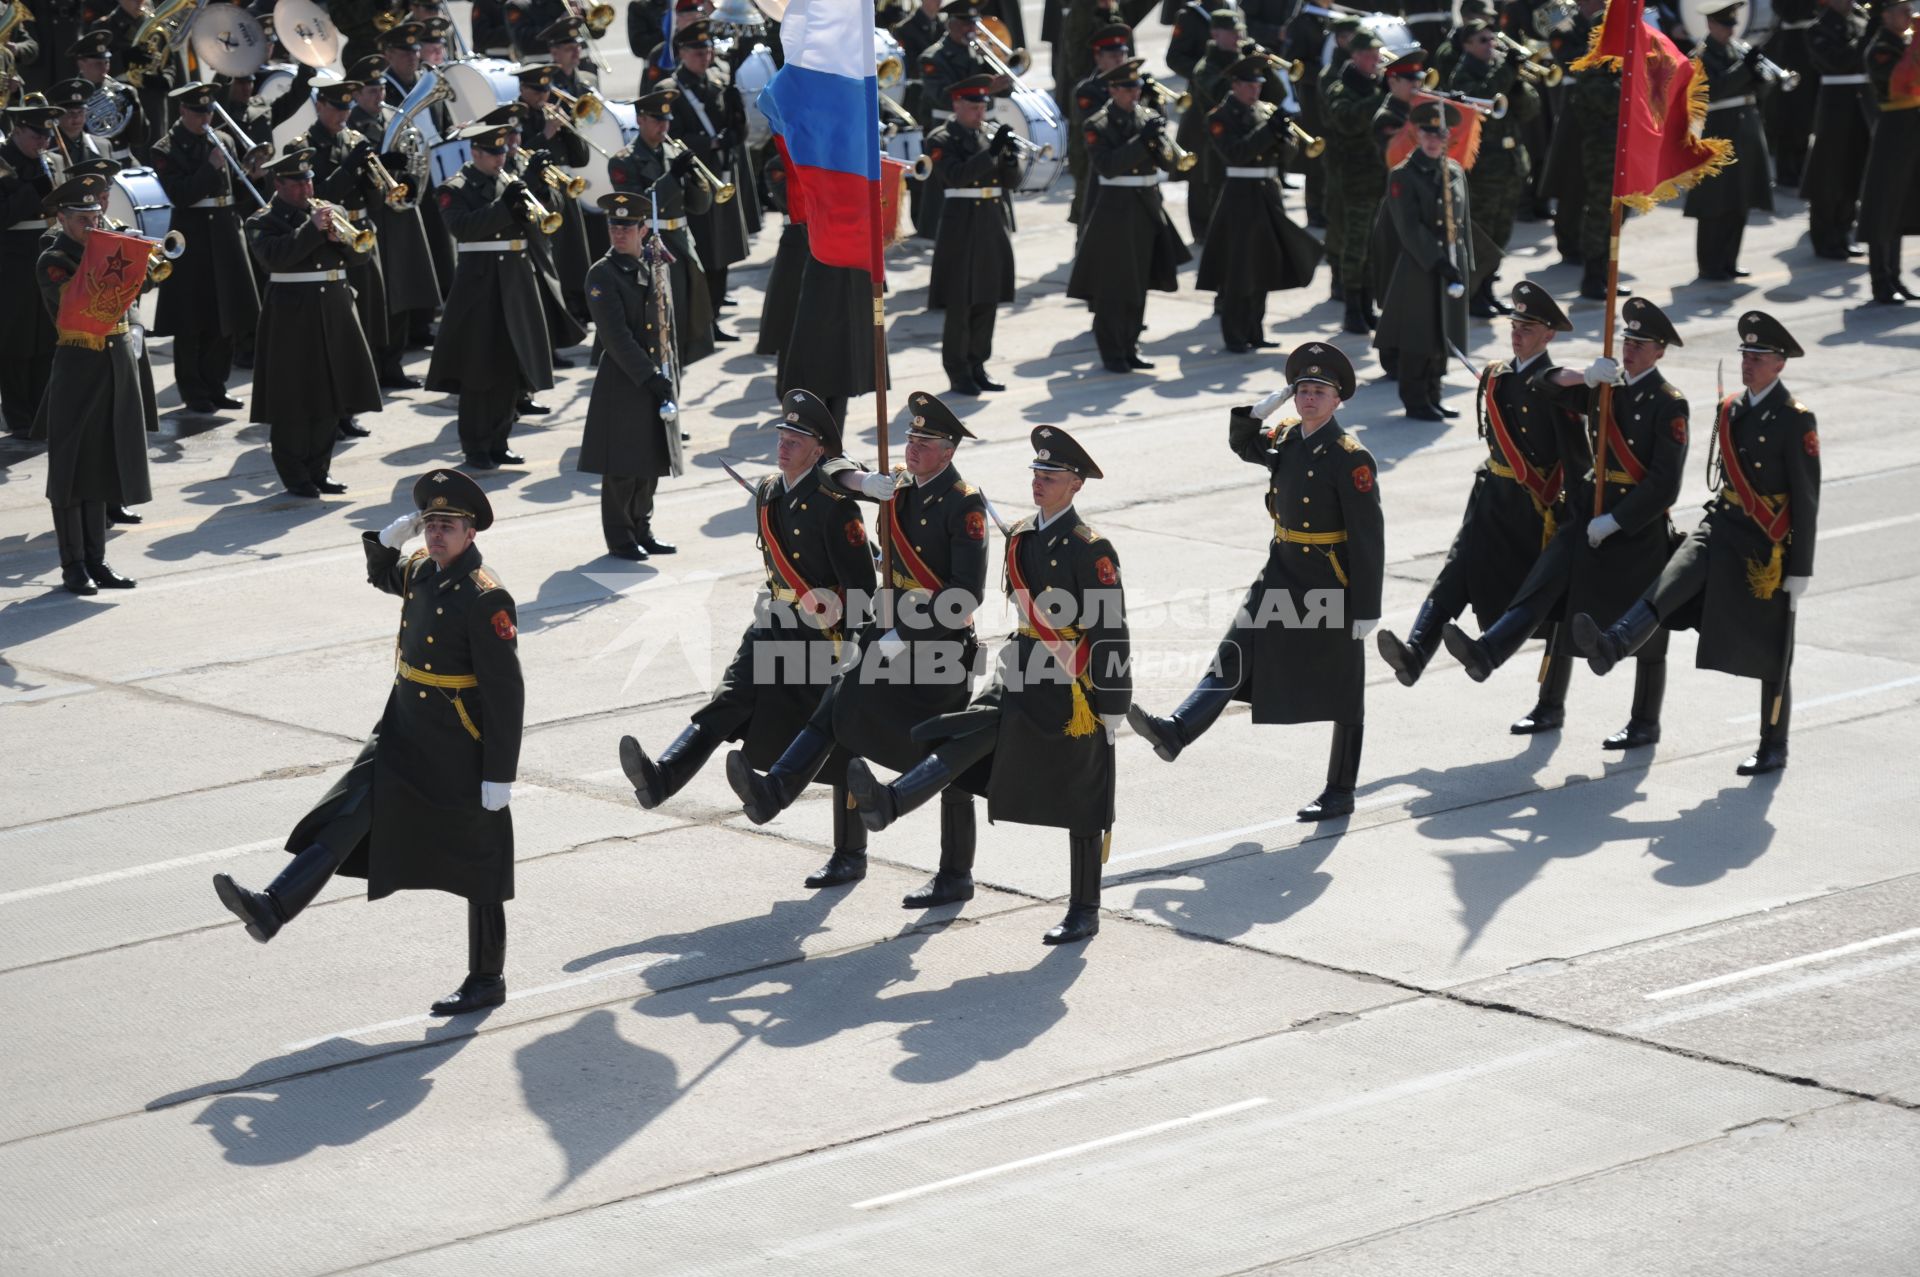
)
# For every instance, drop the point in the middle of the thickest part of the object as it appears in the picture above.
(824, 107)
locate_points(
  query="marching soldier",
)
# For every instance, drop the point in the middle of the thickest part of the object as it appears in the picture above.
(211, 300)
(1890, 190)
(93, 416)
(1127, 244)
(1722, 201)
(813, 545)
(1502, 175)
(660, 172)
(782, 295)
(401, 49)
(307, 251)
(425, 807)
(1600, 563)
(703, 121)
(26, 334)
(1112, 45)
(1260, 249)
(1330, 554)
(1593, 126)
(1788, 117)
(493, 347)
(973, 254)
(406, 256)
(1424, 316)
(1394, 137)
(1513, 506)
(91, 59)
(1356, 175)
(631, 411)
(1306, 42)
(918, 669)
(1740, 573)
(1038, 742)
(1837, 157)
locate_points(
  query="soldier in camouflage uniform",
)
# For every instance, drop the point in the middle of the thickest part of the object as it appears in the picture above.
(1356, 173)
(1499, 178)
(1595, 120)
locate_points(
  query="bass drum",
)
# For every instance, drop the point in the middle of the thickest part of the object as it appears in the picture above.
(612, 132)
(137, 199)
(479, 85)
(1031, 115)
(273, 81)
(751, 79)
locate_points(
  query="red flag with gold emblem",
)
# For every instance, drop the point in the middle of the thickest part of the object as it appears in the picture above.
(96, 299)
(1663, 103)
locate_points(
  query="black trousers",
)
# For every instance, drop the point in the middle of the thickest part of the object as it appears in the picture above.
(1883, 264)
(716, 289)
(22, 382)
(303, 450)
(202, 362)
(1243, 318)
(626, 508)
(1830, 212)
(1419, 381)
(1116, 328)
(1717, 243)
(486, 419)
(966, 337)
(81, 529)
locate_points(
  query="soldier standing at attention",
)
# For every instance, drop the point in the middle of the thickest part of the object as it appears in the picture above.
(973, 252)
(26, 334)
(1356, 175)
(407, 269)
(1424, 317)
(1740, 574)
(1502, 176)
(1207, 83)
(1721, 203)
(1328, 555)
(1112, 45)
(1890, 190)
(702, 122)
(425, 805)
(1837, 157)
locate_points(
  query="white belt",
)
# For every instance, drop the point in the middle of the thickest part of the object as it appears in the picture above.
(973, 193)
(213, 201)
(1244, 170)
(306, 276)
(31, 224)
(494, 246)
(1137, 179)
(1835, 80)
(667, 223)
(1437, 15)
(1721, 104)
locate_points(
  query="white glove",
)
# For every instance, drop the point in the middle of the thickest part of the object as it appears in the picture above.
(878, 487)
(1271, 403)
(891, 645)
(495, 794)
(1599, 528)
(397, 533)
(1363, 628)
(1603, 372)
(1795, 586)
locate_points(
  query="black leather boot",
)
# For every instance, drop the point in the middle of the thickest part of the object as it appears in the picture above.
(1196, 714)
(1643, 724)
(1772, 754)
(656, 781)
(254, 908)
(880, 805)
(1549, 712)
(265, 912)
(849, 860)
(954, 881)
(1606, 648)
(1484, 655)
(1083, 905)
(1356, 317)
(1409, 659)
(1343, 770)
(764, 797)
(485, 985)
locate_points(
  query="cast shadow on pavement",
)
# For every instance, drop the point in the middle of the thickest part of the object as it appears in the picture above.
(288, 1106)
(242, 528)
(30, 619)
(1228, 895)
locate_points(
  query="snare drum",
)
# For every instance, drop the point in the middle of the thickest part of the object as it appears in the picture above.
(1033, 116)
(137, 199)
(753, 76)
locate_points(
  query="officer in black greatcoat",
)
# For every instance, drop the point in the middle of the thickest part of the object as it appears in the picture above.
(973, 252)
(1721, 202)
(425, 805)
(1890, 186)
(1837, 156)
(407, 270)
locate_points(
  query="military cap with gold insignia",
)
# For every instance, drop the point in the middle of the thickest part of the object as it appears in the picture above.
(1435, 117)
(97, 43)
(1124, 76)
(487, 137)
(447, 491)
(1647, 322)
(802, 412)
(336, 92)
(1114, 35)
(76, 195)
(538, 75)
(934, 420)
(1412, 64)
(34, 113)
(1250, 70)
(565, 31)
(406, 35)
(695, 35)
(1322, 362)
(1055, 449)
(368, 70)
(193, 96)
(295, 163)
(1533, 304)
(98, 164)
(511, 115)
(69, 94)
(1362, 41)
(657, 105)
(974, 88)
(1761, 333)
(434, 30)
(625, 207)
(960, 11)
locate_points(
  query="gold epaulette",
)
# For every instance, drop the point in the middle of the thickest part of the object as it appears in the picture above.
(1086, 533)
(964, 488)
(1673, 391)
(1350, 443)
(484, 580)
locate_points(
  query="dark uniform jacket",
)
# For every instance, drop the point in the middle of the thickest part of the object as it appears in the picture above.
(1325, 570)
(93, 414)
(311, 358)
(1352, 163)
(406, 256)
(1747, 183)
(1418, 318)
(212, 286)
(917, 33)
(1261, 250)
(1127, 244)
(1503, 151)
(942, 66)
(493, 335)
(1837, 156)
(24, 182)
(720, 232)
(1192, 37)
(1890, 190)
(643, 171)
(624, 435)
(339, 178)
(973, 250)
(423, 764)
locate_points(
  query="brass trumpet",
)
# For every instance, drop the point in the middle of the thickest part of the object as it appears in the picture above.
(1162, 95)
(1295, 69)
(341, 230)
(723, 192)
(1173, 157)
(395, 192)
(1310, 146)
(565, 183)
(536, 213)
(922, 167)
(161, 254)
(584, 109)
(1536, 65)
(1494, 108)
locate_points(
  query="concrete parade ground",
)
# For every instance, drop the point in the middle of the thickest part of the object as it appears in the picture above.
(1535, 1008)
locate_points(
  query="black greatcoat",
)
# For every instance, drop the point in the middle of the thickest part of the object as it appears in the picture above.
(1418, 318)
(783, 278)
(830, 349)
(1127, 243)
(213, 278)
(93, 415)
(25, 334)
(624, 435)
(1890, 191)
(310, 355)
(422, 766)
(720, 232)
(493, 334)
(1837, 156)
(337, 179)
(1747, 183)
(674, 198)
(1778, 446)
(406, 254)
(1296, 668)
(973, 249)
(784, 663)
(1260, 250)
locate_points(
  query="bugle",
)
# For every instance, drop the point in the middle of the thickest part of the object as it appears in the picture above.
(723, 192)
(395, 192)
(584, 109)
(1162, 95)
(1772, 72)
(161, 253)
(1172, 156)
(922, 167)
(1535, 65)
(536, 213)
(341, 230)
(1494, 108)
(565, 183)
(1310, 146)
(1295, 69)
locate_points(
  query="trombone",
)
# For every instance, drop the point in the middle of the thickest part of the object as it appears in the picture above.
(1535, 65)
(990, 48)
(1310, 146)
(597, 17)
(341, 230)
(1494, 108)
(254, 152)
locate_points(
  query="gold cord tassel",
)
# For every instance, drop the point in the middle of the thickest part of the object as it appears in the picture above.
(1764, 578)
(1083, 723)
(1339, 573)
(1547, 526)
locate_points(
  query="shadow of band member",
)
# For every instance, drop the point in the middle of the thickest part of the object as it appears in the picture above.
(1038, 743)
(812, 542)
(424, 806)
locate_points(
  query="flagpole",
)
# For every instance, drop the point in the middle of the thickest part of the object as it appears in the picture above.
(1629, 76)
(878, 275)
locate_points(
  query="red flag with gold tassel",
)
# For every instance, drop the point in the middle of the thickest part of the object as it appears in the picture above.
(1463, 143)
(96, 299)
(1663, 103)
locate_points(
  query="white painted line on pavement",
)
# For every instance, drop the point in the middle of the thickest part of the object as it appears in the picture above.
(1385, 798)
(514, 996)
(1734, 977)
(1872, 525)
(1060, 1154)
(1835, 697)
(134, 871)
(1820, 980)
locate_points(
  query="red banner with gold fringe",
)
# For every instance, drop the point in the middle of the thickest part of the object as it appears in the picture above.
(96, 299)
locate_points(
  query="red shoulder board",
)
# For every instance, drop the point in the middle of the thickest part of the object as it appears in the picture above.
(1811, 442)
(976, 525)
(1363, 478)
(503, 624)
(856, 532)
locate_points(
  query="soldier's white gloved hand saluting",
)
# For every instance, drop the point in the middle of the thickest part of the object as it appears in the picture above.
(397, 533)
(1271, 404)
(495, 794)
(878, 487)
(1599, 528)
(1603, 372)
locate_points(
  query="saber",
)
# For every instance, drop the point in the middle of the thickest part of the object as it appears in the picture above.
(994, 514)
(735, 476)
(1464, 361)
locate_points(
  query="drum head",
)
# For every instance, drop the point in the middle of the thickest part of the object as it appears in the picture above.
(307, 32)
(137, 198)
(479, 85)
(1031, 115)
(230, 40)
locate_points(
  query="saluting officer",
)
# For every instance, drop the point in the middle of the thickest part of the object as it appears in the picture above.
(1600, 563)
(26, 335)
(425, 805)
(919, 668)
(1127, 243)
(312, 364)
(1319, 595)
(1739, 575)
(973, 253)
(1721, 202)
(493, 346)
(703, 121)
(813, 545)
(659, 171)
(1513, 507)
(1038, 742)
(1424, 316)
(1259, 249)
(406, 255)
(631, 413)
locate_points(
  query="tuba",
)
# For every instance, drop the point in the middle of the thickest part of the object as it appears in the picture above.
(406, 137)
(156, 35)
(12, 14)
